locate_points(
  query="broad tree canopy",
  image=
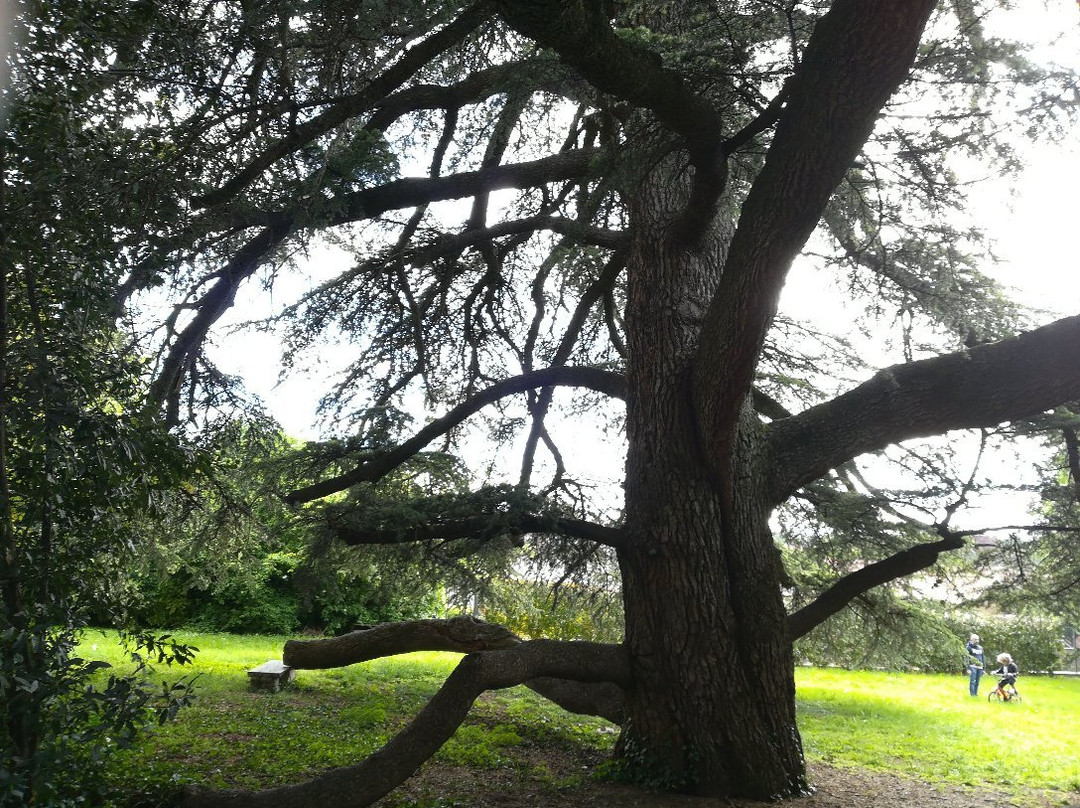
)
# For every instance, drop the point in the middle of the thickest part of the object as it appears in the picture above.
(587, 210)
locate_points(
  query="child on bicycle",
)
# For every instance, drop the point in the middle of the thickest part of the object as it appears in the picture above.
(1008, 673)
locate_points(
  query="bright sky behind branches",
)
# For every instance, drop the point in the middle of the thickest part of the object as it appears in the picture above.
(1032, 219)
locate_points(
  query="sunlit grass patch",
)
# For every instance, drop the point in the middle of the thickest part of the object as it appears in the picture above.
(929, 727)
(925, 726)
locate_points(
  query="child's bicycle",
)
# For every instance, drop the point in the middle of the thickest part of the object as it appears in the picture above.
(1008, 693)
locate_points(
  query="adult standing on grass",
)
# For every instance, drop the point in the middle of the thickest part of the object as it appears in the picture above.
(976, 661)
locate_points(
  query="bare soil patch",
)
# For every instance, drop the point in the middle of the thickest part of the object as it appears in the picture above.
(556, 782)
(542, 771)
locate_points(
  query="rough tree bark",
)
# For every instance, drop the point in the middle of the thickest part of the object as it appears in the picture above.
(712, 707)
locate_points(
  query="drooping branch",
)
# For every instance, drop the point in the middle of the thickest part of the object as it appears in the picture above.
(361, 785)
(376, 466)
(840, 594)
(414, 59)
(481, 529)
(165, 388)
(602, 699)
(359, 205)
(539, 409)
(858, 55)
(978, 387)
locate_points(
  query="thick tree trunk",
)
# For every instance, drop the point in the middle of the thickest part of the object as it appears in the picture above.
(713, 706)
(712, 711)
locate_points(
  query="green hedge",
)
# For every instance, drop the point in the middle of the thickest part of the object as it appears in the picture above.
(277, 594)
(911, 636)
(1033, 642)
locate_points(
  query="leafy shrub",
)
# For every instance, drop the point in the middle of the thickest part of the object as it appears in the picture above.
(282, 592)
(342, 587)
(532, 610)
(68, 716)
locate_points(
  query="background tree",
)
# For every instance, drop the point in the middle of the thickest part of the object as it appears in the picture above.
(223, 553)
(78, 461)
(635, 182)
(1035, 565)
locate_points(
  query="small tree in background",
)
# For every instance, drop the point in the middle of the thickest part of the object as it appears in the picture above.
(80, 460)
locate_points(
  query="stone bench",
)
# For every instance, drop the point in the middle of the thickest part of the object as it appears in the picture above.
(270, 675)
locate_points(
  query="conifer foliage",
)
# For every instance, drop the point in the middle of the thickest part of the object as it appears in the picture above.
(577, 209)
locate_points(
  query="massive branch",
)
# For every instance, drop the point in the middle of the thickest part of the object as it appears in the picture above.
(858, 55)
(378, 465)
(364, 783)
(582, 36)
(982, 386)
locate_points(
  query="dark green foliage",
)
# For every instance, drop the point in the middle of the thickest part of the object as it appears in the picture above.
(282, 593)
(79, 463)
(884, 632)
(1033, 641)
(571, 612)
(260, 603)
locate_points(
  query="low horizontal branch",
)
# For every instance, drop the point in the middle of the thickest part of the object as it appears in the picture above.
(464, 635)
(361, 785)
(481, 528)
(461, 634)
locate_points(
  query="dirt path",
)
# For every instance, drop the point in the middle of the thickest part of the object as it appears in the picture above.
(455, 787)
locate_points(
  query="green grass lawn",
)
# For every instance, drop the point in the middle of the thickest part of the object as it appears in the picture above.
(928, 726)
(923, 725)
